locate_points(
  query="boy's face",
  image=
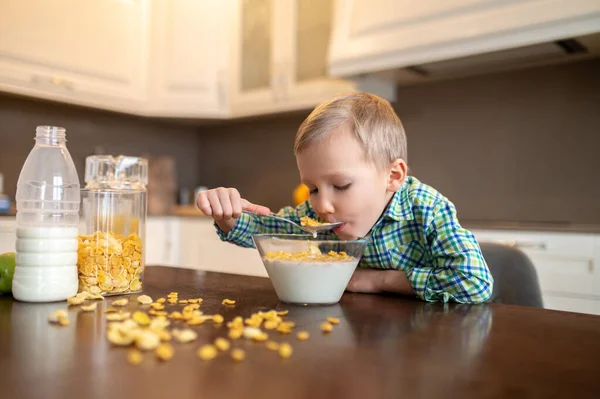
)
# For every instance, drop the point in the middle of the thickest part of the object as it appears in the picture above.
(344, 187)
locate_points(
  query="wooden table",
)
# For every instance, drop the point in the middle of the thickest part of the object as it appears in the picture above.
(384, 347)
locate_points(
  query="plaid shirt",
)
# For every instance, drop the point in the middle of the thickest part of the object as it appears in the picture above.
(418, 233)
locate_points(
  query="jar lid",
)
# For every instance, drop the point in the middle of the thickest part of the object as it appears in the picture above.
(118, 170)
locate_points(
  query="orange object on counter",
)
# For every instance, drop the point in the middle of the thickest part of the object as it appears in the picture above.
(301, 194)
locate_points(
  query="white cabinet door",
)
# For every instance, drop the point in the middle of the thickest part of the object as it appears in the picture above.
(189, 59)
(566, 265)
(201, 248)
(83, 52)
(373, 35)
(303, 37)
(8, 234)
(161, 241)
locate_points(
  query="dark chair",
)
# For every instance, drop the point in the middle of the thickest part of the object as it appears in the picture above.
(515, 278)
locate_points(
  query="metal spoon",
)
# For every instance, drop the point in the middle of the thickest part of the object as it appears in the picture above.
(309, 229)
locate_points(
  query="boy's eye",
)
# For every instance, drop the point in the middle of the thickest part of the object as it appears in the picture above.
(343, 188)
(313, 191)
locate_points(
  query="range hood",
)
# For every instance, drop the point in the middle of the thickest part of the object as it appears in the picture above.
(559, 51)
(406, 42)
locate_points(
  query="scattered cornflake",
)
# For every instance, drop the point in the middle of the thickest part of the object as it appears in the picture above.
(228, 302)
(237, 322)
(193, 300)
(57, 316)
(263, 336)
(144, 299)
(251, 332)
(120, 302)
(222, 344)
(271, 324)
(333, 320)
(183, 302)
(184, 336)
(172, 301)
(110, 310)
(207, 352)
(157, 306)
(235, 333)
(141, 318)
(135, 357)
(283, 312)
(285, 350)
(218, 319)
(95, 290)
(303, 335)
(164, 352)
(326, 327)
(161, 300)
(118, 316)
(175, 315)
(75, 300)
(146, 340)
(89, 308)
(159, 323)
(119, 334)
(272, 345)
(238, 354)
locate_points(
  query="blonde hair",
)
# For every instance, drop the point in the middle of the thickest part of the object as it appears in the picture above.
(371, 119)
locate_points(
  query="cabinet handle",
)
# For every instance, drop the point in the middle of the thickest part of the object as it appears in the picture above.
(53, 80)
(221, 89)
(591, 266)
(528, 245)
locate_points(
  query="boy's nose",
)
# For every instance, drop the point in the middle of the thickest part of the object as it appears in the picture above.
(323, 205)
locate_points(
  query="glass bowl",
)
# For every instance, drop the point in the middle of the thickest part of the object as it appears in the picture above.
(308, 279)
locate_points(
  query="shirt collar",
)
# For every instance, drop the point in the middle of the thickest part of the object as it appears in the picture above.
(401, 204)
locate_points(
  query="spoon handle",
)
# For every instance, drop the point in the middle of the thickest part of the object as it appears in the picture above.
(273, 216)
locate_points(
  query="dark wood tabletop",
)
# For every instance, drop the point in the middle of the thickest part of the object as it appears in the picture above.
(384, 346)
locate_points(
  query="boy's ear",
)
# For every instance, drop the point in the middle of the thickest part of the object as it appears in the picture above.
(397, 175)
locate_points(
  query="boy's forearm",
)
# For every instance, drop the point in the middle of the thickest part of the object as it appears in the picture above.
(226, 225)
(395, 281)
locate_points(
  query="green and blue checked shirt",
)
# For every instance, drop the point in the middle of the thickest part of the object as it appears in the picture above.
(418, 233)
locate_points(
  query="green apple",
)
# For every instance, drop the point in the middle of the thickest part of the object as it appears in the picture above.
(7, 270)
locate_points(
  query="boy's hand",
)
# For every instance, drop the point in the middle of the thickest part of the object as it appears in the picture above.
(225, 205)
(375, 281)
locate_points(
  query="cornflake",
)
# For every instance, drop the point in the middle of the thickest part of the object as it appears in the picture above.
(120, 302)
(146, 340)
(89, 308)
(75, 300)
(141, 318)
(118, 316)
(308, 221)
(144, 299)
(326, 327)
(303, 335)
(222, 344)
(184, 336)
(110, 310)
(59, 317)
(164, 352)
(135, 357)
(218, 319)
(272, 345)
(228, 302)
(333, 320)
(238, 354)
(235, 333)
(161, 300)
(285, 350)
(207, 352)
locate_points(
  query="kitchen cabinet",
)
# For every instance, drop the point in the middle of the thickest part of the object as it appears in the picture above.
(566, 264)
(193, 243)
(279, 56)
(376, 35)
(90, 53)
(8, 234)
(188, 67)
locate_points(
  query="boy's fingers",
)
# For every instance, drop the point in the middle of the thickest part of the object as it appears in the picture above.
(203, 204)
(225, 202)
(213, 198)
(249, 206)
(236, 203)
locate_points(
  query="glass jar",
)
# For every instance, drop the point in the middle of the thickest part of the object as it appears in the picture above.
(111, 246)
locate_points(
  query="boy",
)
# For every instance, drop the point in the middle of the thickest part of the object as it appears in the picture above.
(351, 153)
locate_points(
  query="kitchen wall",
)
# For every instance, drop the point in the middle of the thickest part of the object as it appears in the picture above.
(88, 130)
(512, 146)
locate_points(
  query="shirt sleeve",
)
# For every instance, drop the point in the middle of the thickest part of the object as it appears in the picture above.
(248, 225)
(459, 272)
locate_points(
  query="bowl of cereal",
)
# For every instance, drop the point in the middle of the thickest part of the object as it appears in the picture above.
(306, 270)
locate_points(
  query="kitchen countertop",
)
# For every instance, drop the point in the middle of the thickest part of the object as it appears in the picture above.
(384, 346)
